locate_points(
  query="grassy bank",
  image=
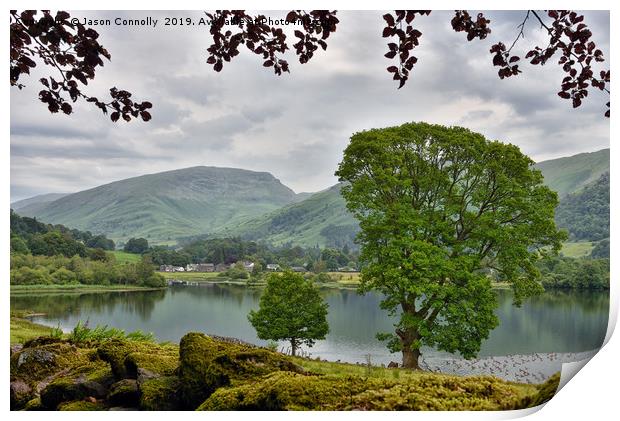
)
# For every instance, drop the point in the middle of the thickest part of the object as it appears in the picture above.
(23, 330)
(212, 373)
(74, 288)
(124, 257)
(577, 249)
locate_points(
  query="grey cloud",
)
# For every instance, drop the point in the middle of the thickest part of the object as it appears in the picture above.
(296, 125)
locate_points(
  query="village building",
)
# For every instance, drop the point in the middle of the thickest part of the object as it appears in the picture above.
(273, 267)
(221, 267)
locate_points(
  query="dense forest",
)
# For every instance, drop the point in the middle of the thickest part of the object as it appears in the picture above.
(38, 238)
(44, 254)
(569, 273)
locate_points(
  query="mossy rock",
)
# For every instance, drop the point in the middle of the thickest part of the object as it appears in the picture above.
(206, 364)
(88, 380)
(34, 405)
(292, 391)
(124, 393)
(544, 393)
(435, 392)
(21, 394)
(115, 352)
(81, 406)
(34, 363)
(160, 394)
(285, 391)
(163, 363)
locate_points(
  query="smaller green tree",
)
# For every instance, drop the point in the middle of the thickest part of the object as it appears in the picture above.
(291, 310)
(136, 245)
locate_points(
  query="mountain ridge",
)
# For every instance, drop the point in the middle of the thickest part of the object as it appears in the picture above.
(223, 201)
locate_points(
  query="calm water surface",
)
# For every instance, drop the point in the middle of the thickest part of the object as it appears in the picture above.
(553, 322)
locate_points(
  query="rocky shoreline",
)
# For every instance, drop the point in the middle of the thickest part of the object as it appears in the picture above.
(216, 373)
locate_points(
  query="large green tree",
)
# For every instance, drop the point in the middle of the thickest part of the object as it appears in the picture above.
(292, 310)
(442, 211)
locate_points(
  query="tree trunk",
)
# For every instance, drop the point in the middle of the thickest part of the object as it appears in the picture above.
(411, 356)
(293, 347)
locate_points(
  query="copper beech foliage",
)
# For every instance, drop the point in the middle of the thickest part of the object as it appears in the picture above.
(568, 36)
(74, 53)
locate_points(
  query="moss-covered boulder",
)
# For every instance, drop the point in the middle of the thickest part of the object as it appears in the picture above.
(64, 390)
(81, 406)
(292, 391)
(34, 405)
(127, 357)
(206, 364)
(35, 362)
(544, 393)
(21, 393)
(83, 381)
(162, 363)
(287, 391)
(124, 393)
(160, 394)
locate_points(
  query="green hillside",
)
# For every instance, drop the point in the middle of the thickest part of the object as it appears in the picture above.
(220, 202)
(34, 205)
(585, 213)
(567, 175)
(167, 205)
(322, 220)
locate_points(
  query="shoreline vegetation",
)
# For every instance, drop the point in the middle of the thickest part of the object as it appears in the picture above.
(76, 288)
(97, 372)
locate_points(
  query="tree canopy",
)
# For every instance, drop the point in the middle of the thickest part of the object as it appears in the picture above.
(292, 310)
(136, 245)
(441, 210)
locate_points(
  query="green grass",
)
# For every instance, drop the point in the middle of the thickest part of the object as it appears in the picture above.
(195, 276)
(578, 249)
(345, 278)
(74, 288)
(23, 330)
(348, 369)
(124, 257)
(81, 333)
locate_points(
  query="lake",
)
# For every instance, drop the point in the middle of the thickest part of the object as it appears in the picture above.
(555, 322)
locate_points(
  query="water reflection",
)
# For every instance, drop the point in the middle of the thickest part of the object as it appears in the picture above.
(553, 322)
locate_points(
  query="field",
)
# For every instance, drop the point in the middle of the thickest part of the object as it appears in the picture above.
(339, 279)
(195, 276)
(124, 257)
(578, 249)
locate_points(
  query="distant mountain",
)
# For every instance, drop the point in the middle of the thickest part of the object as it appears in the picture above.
(322, 219)
(167, 205)
(35, 204)
(212, 201)
(585, 213)
(567, 175)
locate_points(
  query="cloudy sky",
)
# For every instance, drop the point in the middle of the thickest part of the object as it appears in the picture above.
(294, 126)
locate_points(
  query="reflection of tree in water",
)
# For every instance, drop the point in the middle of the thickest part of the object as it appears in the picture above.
(59, 306)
